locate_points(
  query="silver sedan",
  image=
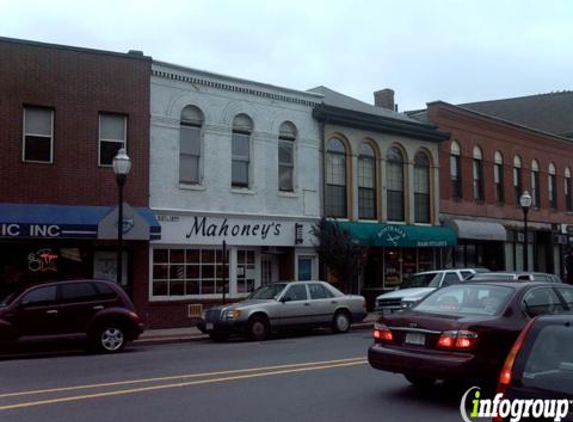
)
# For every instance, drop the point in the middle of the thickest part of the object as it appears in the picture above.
(279, 306)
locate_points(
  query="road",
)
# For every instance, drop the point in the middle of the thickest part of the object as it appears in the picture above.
(318, 377)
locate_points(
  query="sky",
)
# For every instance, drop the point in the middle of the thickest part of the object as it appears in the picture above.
(425, 50)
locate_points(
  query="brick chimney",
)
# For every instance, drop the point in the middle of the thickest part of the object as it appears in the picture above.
(384, 98)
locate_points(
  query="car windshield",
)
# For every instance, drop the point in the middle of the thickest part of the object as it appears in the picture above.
(467, 299)
(270, 291)
(422, 280)
(549, 365)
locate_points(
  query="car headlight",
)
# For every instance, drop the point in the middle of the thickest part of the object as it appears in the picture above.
(231, 314)
(408, 303)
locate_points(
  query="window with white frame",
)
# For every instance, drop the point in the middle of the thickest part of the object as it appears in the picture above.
(455, 170)
(498, 177)
(478, 174)
(367, 182)
(188, 272)
(190, 145)
(38, 135)
(241, 151)
(287, 137)
(395, 184)
(246, 271)
(112, 136)
(335, 196)
(552, 186)
(535, 191)
(517, 179)
(567, 190)
(422, 212)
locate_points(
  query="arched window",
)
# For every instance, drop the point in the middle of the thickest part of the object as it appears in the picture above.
(335, 195)
(535, 187)
(241, 151)
(517, 178)
(567, 189)
(395, 184)
(190, 145)
(367, 182)
(422, 188)
(455, 170)
(287, 137)
(552, 186)
(478, 174)
(498, 177)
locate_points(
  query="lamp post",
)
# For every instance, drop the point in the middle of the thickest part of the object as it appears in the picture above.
(525, 202)
(121, 167)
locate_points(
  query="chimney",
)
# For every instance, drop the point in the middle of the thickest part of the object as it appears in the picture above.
(384, 98)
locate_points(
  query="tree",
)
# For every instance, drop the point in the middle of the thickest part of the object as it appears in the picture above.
(339, 252)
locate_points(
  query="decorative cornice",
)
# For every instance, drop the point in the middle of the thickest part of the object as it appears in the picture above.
(232, 88)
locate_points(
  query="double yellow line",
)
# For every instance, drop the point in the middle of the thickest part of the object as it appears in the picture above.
(186, 380)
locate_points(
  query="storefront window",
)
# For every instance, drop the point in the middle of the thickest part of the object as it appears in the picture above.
(246, 273)
(392, 268)
(425, 259)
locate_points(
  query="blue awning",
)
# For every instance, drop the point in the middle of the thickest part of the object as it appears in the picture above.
(61, 221)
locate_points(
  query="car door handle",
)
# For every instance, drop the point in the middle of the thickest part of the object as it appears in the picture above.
(98, 308)
(306, 304)
(52, 312)
(334, 302)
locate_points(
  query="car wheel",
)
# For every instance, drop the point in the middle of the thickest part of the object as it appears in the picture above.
(341, 322)
(218, 337)
(258, 328)
(420, 382)
(110, 338)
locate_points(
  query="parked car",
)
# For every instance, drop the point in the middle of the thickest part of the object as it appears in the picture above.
(308, 304)
(463, 331)
(419, 286)
(96, 310)
(514, 276)
(540, 364)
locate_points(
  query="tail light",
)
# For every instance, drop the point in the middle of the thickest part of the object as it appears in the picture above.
(382, 333)
(505, 376)
(457, 339)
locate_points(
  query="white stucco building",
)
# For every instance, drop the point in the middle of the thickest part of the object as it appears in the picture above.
(232, 161)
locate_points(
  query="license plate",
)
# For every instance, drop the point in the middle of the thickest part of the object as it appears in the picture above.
(387, 311)
(209, 326)
(415, 338)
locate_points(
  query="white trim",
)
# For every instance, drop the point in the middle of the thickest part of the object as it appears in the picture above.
(100, 139)
(51, 137)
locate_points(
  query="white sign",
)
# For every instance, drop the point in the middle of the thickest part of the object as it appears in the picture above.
(207, 230)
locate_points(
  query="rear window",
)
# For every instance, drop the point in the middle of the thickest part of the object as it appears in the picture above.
(467, 300)
(422, 280)
(549, 365)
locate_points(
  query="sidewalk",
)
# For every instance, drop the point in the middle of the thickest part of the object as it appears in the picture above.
(178, 335)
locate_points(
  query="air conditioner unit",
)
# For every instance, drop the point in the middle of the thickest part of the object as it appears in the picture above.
(194, 310)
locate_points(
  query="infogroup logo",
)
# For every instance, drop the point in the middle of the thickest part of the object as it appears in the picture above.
(515, 410)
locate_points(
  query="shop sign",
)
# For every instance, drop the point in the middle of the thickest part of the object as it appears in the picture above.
(30, 230)
(43, 261)
(392, 235)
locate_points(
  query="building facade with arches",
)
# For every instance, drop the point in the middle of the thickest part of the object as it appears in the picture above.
(234, 162)
(381, 183)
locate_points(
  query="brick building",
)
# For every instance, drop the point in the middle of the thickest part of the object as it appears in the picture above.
(64, 113)
(497, 150)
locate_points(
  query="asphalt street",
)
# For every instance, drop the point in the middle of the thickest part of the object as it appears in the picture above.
(317, 377)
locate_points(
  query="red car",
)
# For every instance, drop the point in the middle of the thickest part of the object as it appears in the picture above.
(96, 310)
(462, 331)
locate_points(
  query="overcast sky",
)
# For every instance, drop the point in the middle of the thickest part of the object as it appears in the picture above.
(426, 50)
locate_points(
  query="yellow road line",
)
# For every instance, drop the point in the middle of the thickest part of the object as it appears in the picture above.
(173, 377)
(177, 385)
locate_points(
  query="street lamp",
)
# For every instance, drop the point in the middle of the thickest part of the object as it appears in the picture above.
(121, 167)
(525, 202)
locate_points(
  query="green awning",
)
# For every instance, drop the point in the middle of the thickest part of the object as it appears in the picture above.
(400, 236)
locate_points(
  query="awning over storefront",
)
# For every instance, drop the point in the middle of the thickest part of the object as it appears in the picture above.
(478, 230)
(67, 221)
(400, 236)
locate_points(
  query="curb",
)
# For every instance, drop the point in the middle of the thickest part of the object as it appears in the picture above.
(151, 341)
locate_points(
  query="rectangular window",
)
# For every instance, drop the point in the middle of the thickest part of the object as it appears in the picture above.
(568, 201)
(366, 188)
(38, 135)
(188, 272)
(455, 176)
(395, 192)
(246, 271)
(112, 136)
(241, 160)
(286, 164)
(552, 191)
(478, 180)
(498, 180)
(421, 195)
(335, 195)
(189, 153)
(535, 194)
(517, 183)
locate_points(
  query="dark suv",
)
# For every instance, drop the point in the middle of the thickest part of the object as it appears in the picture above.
(96, 310)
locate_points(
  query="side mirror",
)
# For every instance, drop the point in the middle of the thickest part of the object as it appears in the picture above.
(285, 299)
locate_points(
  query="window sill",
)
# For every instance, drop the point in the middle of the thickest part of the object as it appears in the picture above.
(287, 194)
(243, 191)
(191, 186)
